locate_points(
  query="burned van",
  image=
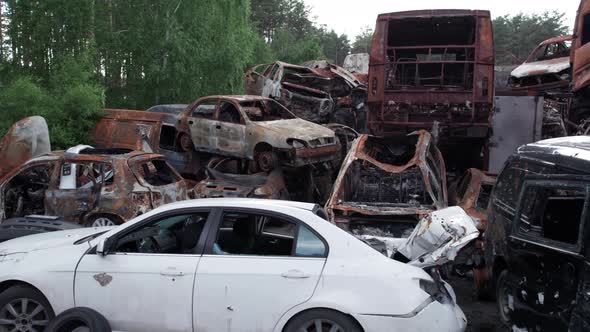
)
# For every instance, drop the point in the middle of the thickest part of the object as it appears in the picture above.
(537, 248)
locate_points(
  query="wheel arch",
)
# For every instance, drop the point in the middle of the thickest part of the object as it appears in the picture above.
(298, 310)
(261, 146)
(7, 284)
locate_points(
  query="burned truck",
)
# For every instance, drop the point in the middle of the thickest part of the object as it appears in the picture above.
(317, 91)
(386, 185)
(434, 66)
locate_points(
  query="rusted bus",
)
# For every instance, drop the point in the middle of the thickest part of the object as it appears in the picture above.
(25, 139)
(91, 186)
(225, 180)
(433, 66)
(389, 184)
(151, 132)
(256, 128)
(547, 68)
(318, 91)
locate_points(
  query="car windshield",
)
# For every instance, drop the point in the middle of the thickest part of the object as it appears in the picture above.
(266, 110)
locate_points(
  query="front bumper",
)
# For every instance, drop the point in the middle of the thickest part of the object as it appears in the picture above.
(434, 317)
(309, 156)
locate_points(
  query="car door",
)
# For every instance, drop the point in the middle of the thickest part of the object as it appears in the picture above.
(202, 125)
(144, 281)
(544, 247)
(230, 130)
(580, 320)
(257, 266)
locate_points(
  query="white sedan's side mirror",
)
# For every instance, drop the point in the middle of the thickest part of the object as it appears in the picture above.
(100, 247)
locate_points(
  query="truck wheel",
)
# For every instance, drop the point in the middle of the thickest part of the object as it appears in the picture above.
(23, 308)
(504, 298)
(79, 319)
(319, 320)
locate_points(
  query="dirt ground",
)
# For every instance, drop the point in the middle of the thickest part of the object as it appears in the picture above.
(482, 316)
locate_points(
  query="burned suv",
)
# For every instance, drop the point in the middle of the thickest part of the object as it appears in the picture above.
(537, 237)
(94, 187)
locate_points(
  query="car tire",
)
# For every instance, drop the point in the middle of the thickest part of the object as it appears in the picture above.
(318, 320)
(503, 294)
(33, 311)
(79, 317)
(266, 160)
(102, 220)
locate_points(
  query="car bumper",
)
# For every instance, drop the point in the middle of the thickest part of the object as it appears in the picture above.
(434, 317)
(308, 156)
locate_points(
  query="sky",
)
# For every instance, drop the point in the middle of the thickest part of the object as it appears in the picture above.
(351, 16)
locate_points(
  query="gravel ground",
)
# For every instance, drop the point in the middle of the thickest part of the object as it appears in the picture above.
(482, 316)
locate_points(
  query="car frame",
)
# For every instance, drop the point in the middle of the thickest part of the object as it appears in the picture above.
(335, 280)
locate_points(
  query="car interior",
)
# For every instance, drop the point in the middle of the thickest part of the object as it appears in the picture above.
(25, 193)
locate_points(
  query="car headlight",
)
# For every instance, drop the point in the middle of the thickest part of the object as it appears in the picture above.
(297, 144)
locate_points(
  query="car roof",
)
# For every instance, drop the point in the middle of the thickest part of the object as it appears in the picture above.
(241, 202)
(569, 152)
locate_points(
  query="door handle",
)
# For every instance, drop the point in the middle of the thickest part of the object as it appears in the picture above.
(171, 274)
(294, 274)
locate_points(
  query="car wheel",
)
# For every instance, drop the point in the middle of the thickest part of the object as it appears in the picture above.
(267, 160)
(24, 309)
(79, 320)
(320, 320)
(504, 298)
(102, 221)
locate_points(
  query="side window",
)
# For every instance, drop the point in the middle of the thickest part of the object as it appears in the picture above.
(309, 244)
(176, 234)
(586, 29)
(254, 234)
(86, 175)
(483, 199)
(205, 109)
(552, 212)
(229, 113)
(156, 172)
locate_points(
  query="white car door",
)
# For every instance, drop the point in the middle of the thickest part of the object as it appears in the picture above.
(257, 266)
(145, 281)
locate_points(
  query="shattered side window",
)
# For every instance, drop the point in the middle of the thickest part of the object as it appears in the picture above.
(267, 110)
(205, 109)
(509, 182)
(229, 113)
(553, 213)
(156, 173)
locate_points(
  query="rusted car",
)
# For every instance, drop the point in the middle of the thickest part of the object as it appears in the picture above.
(537, 241)
(547, 68)
(93, 187)
(318, 91)
(24, 140)
(386, 185)
(434, 66)
(255, 128)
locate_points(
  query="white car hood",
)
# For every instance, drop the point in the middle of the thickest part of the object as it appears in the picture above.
(47, 240)
(297, 128)
(541, 67)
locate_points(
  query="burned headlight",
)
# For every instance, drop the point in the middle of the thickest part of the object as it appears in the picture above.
(297, 144)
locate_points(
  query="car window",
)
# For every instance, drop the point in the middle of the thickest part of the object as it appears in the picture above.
(266, 110)
(204, 109)
(176, 234)
(229, 113)
(156, 172)
(484, 196)
(509, 182)
(254, 234)
(309, 244)
(552, 212)
(86, 175)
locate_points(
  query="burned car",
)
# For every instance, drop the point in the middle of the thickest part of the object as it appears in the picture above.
(255, 128)
(386, 185)
(93, 187)
(546, 68)
(537, 237)
(318, 91)
(224, 179)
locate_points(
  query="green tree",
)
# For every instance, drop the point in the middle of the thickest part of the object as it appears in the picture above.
(516, 36)
(362, 42)
(335, 47)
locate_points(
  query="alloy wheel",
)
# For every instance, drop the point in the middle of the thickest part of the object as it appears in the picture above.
(321, 325)
(102, 221)
(23, 315)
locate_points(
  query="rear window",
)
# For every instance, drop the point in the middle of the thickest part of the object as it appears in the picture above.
(458, 30)
(156, 172)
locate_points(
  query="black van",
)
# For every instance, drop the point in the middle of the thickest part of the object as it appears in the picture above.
(537, 242)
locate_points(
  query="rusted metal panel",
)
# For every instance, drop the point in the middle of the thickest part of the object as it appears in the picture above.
(580, 51)
(26, 139)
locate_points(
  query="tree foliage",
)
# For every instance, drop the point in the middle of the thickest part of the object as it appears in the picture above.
(362, 42)
(516, 36)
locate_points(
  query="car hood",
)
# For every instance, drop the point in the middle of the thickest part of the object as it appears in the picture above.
(552, 66)
(47, 240)
(297, 128)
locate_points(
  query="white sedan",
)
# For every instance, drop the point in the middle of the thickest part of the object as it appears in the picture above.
(221, 265)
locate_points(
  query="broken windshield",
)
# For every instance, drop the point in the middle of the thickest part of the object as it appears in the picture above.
(266, 110)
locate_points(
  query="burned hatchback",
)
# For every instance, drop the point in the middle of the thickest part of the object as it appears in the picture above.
(93, 187)
(386, 185)
(537, 237)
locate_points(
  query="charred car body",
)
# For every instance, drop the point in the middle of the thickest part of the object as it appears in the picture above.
(386, 185)
(537, 237)
(93, 187)
(318, 91)
(547, 68)
(442, 72)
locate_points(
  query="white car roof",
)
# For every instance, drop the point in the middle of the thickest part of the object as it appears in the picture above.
(238, 202)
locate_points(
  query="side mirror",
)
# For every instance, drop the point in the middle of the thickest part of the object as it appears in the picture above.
(102, 248)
